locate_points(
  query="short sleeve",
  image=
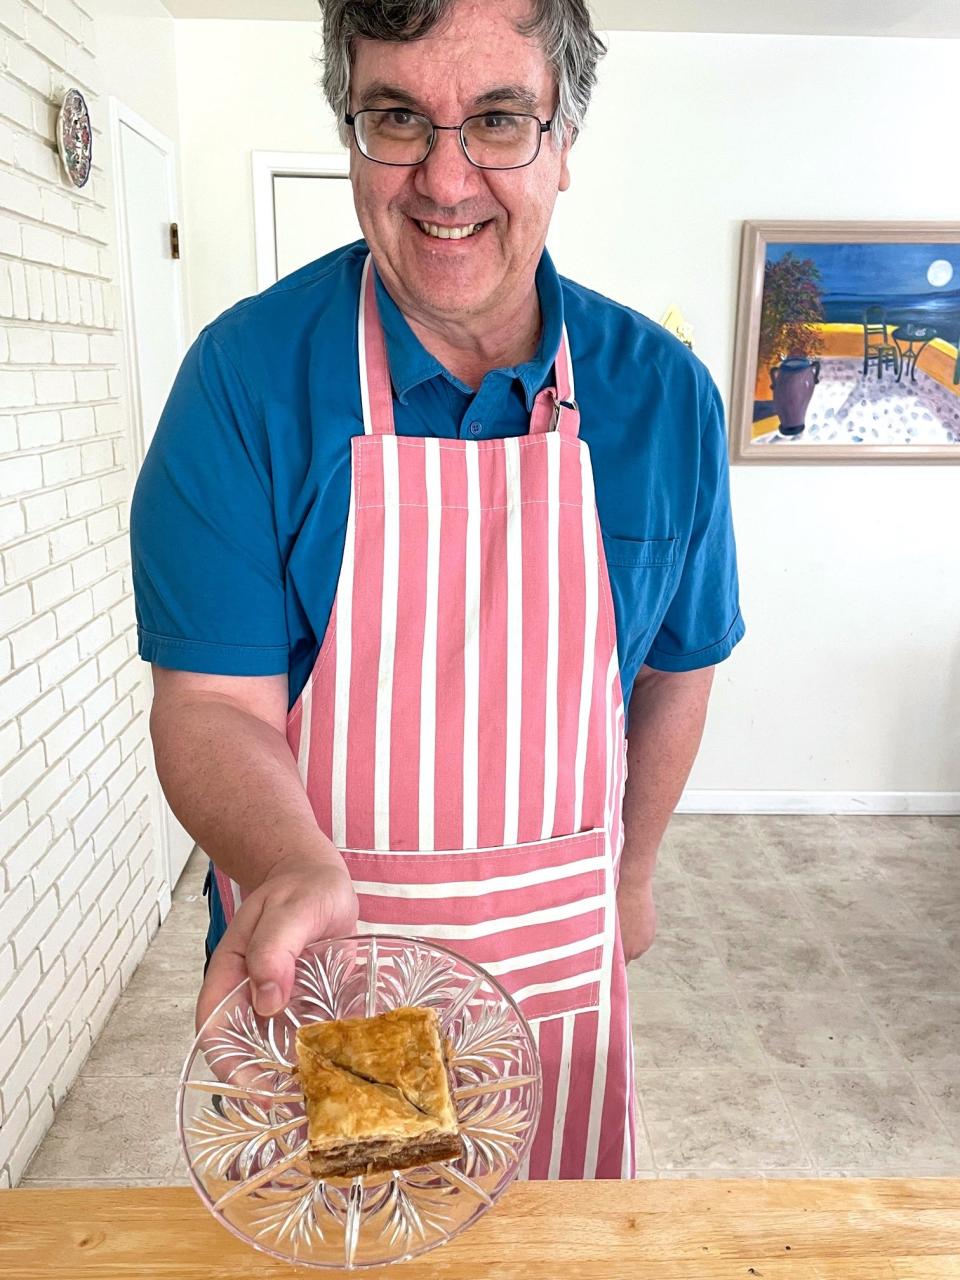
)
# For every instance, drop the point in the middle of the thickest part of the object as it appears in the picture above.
(207, 571)
(703, 621)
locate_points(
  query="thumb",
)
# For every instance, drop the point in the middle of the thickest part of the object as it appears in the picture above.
(279, 936)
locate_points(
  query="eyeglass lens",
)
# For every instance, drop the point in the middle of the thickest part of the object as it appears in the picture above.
(501, 140)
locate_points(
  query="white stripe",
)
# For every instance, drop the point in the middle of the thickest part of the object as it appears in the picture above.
(480, 888)
(549, 954)
(428, 676)
(582, 837)
(486, 928)
(388, 641)
(600, 1071)
(601, 1062)
(563, 1090)
(341, 698)
(591, 582)
(511, 799)
(553, 446)
(627, 1163)
(362, 347)
(303, 746)
(471, 651)
(566, 984)
(237, 899)
(613, 747)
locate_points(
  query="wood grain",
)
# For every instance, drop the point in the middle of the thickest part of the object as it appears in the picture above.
(891, 1229)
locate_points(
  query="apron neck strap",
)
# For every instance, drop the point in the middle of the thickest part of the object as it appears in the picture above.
(554, 409)
(376, 393)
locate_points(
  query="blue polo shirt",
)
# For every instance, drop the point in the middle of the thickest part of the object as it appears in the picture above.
(239, 515)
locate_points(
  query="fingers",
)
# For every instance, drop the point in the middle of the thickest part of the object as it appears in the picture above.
(227, 967)
(268, 934)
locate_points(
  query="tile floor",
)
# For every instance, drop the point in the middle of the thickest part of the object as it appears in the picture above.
(798, 1016)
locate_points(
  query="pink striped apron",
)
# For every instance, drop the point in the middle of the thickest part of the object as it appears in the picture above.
(461, 735)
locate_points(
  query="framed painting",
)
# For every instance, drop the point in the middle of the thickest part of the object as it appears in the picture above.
(848, 343)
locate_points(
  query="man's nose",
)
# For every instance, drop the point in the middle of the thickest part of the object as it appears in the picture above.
(446, 176)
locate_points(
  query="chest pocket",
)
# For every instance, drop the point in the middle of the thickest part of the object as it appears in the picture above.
(643, 575)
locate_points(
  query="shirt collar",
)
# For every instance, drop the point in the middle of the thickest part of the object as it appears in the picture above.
(411, 363)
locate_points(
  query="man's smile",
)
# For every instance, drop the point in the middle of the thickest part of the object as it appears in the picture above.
(441, 232)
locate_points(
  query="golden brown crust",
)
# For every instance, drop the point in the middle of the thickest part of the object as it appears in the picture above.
(376, 1093)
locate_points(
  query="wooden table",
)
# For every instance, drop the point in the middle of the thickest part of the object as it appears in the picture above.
(896, 1229)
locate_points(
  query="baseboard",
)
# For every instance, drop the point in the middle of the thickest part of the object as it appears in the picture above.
(904, 802)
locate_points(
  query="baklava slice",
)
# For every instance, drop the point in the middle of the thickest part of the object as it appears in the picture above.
(376, 1093)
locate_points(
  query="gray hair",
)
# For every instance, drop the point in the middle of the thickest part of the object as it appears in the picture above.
(563, 28)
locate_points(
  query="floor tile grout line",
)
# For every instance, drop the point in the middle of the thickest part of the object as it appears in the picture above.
(888, 1039)
(910, 1070)
(802, 1071)
(954, 1135)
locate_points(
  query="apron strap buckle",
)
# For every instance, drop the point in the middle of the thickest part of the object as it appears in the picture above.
(566, 412)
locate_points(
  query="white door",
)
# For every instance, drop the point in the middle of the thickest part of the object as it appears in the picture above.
(153, 311)
(314, 215)
(303, 208)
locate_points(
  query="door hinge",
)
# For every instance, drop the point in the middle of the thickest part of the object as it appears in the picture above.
(174, 240)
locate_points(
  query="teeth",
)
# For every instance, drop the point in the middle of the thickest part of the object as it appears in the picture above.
(450, 233)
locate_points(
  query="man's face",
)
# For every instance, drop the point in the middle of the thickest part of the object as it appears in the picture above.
(447, 76)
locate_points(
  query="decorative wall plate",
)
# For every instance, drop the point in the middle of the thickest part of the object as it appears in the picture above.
(241, 1118)
(75, 137)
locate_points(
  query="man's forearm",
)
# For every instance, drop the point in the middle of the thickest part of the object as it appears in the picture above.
(232, 781)
(667, 714)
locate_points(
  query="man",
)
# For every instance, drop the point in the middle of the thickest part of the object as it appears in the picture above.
(392, 643)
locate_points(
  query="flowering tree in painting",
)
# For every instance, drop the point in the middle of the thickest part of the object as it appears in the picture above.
(791, 309)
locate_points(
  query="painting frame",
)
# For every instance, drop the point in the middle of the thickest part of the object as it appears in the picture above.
(757, 236)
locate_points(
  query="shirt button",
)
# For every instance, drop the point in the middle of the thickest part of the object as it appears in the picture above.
(476, 428)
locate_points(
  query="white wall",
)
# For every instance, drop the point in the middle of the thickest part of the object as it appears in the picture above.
(849, 679)
(243, 87)
(136, 58)
(78, 874)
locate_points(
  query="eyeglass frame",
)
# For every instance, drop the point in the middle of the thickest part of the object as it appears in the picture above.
(545, 126)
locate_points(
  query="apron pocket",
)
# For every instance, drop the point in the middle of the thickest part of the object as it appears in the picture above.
(533, 915)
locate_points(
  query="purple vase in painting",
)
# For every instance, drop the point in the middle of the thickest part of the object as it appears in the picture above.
(793, 381)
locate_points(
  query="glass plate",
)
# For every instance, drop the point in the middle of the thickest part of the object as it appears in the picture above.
(242, 1125)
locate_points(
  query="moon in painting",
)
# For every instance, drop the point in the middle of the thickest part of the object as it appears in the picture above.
(939, 272)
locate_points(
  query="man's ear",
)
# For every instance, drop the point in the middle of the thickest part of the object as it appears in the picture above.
(564, 157)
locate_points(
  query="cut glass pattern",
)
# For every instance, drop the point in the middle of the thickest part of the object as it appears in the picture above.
(242, 1124)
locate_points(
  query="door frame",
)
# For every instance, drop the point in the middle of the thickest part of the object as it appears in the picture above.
(120, 114)
(267, 165)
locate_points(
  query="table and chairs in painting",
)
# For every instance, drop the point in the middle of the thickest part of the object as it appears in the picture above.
(888, 344)
(911, 340)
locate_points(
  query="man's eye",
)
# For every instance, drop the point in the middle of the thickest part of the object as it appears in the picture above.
(398, 117)
(498, 122)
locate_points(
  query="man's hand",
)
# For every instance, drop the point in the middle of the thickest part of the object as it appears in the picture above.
(302, 900)
(638, 918)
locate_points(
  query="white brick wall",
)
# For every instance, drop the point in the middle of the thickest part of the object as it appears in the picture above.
(78, 886)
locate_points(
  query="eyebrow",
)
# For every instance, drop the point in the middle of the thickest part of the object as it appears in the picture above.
(516, 94)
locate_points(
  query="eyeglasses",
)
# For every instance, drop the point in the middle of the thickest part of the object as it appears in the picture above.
(493, 140)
